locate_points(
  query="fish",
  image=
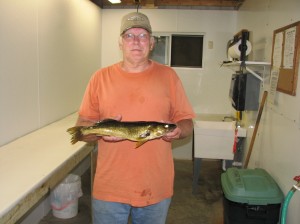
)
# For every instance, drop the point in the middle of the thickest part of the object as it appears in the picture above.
(137, 131)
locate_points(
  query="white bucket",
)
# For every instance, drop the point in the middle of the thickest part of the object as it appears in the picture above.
(64, 198)
(68, 212)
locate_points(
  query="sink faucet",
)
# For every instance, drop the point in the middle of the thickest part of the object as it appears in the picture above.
(238, 122)
(229, 117)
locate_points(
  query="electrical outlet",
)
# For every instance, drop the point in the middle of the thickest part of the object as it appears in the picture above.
(210, 44)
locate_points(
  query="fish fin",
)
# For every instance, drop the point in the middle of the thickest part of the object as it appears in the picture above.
(139, 143)
(76, 134)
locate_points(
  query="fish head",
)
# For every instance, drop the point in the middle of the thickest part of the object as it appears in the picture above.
(164, 128)
(170, 127)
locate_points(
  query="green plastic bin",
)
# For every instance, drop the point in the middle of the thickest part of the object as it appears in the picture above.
(251, 196)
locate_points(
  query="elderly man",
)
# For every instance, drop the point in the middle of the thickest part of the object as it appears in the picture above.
(129, 182)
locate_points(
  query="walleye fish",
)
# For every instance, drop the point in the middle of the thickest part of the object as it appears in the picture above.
(138, 131)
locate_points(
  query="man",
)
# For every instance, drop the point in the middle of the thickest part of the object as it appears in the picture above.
(128, 181)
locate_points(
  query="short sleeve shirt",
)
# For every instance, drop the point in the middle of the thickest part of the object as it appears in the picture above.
(144, 175)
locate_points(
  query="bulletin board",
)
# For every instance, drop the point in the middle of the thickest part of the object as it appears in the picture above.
(285, 57)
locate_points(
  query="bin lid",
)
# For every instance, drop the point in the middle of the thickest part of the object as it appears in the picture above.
(252, 186)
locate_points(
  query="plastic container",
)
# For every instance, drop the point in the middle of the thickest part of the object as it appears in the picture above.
(251, 196)
(64, 197)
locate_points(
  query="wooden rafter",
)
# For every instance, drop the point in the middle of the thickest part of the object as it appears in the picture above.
(218, 4)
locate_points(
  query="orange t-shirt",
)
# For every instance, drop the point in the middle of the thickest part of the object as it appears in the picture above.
(124, 174)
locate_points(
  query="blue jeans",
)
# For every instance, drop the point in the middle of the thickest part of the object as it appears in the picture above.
(117, 213)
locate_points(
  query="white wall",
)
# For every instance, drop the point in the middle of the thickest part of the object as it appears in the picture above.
(276, 148)
(206, 88)
(49, 48)
(48, 51)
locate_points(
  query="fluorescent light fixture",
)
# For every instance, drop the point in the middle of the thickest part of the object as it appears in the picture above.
(114, 1)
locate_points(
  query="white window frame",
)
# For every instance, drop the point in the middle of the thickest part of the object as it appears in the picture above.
(169, 44)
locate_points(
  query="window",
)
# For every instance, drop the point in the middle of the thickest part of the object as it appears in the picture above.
(178, 50)
(160, 52)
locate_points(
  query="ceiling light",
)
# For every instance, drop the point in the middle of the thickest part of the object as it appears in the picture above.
(114, 1)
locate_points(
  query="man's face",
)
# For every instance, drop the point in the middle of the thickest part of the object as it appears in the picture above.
(136, 44)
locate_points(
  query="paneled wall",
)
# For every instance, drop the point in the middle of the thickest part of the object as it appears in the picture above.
(48, 51)
(207, 88)
(276, 147)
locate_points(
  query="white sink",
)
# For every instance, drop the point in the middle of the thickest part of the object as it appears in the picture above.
(214, 138)
(215, 126)
(219, 121)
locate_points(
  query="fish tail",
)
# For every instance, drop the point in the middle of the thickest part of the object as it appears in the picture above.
(76, 134)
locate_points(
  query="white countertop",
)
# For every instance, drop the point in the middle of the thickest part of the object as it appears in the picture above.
(27, 162)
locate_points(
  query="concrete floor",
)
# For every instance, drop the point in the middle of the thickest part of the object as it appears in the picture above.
(203, 207)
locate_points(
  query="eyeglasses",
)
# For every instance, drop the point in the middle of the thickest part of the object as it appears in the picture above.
(129, 37)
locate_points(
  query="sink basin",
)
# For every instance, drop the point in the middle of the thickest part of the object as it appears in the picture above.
(216, 125)
(217, 121)
(214, 138)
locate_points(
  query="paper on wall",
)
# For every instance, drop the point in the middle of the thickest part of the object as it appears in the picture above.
(273, 85)
(289, 48)
(277, 50)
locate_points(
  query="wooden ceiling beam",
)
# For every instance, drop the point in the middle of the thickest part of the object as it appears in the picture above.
(172, 3)
(224, 3)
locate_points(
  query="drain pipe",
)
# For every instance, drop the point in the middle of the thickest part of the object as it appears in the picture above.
(288, 198)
